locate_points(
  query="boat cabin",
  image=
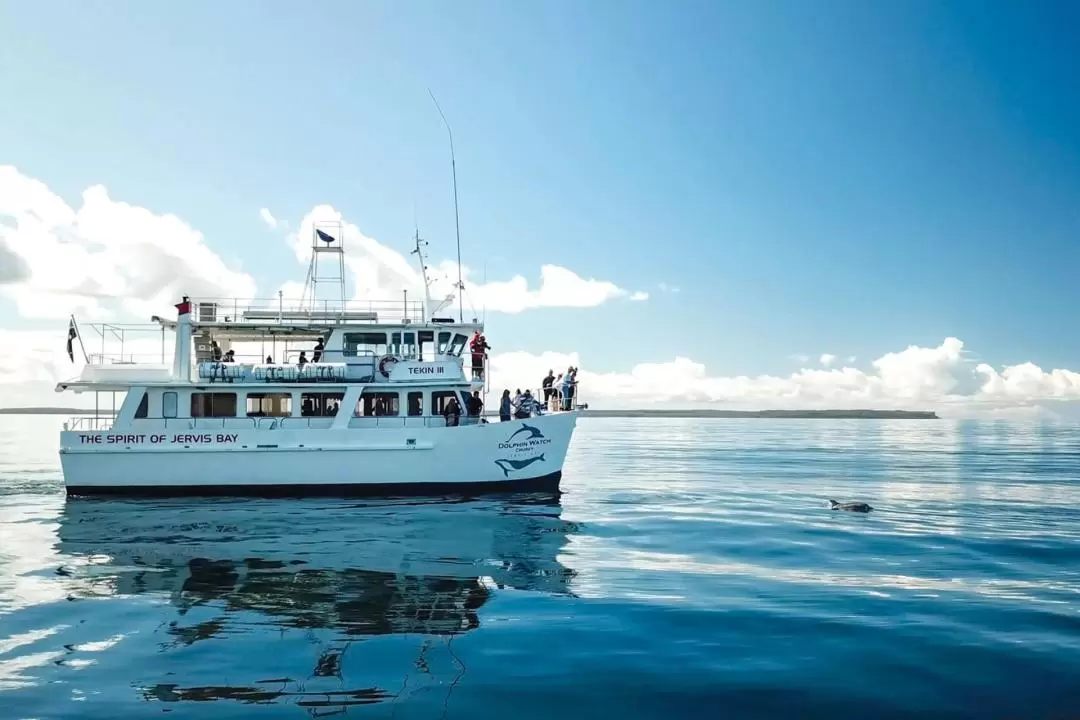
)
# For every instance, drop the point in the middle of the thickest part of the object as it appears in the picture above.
(372, 354)
(247, 407)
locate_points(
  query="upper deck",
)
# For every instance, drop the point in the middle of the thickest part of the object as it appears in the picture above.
(256, 318)
(245, 341)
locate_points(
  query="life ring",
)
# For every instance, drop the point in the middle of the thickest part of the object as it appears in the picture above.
(385, 363)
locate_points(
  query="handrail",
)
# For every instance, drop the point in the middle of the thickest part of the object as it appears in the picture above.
(278, 422)
(315, 312)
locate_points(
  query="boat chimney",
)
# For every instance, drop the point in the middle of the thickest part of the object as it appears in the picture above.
(181, 369)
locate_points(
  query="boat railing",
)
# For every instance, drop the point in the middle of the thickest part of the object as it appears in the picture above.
(553, 401)
(89, 423)
(124, 344)
(279, 311)
(83, 423)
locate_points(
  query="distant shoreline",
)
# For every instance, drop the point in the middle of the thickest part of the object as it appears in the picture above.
(50, 411)
(781, 414)
(684, 414)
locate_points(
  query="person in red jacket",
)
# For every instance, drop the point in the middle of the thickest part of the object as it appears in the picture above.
(479, 347)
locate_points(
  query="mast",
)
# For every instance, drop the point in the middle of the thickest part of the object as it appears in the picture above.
(457, 224)
(423, 274)
(326, 237)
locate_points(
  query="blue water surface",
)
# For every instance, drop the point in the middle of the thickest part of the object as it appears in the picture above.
(691, 569)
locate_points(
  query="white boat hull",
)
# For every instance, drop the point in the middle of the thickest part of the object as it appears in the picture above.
(189, 459)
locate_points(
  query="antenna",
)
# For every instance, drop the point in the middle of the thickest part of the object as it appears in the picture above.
(457, 224)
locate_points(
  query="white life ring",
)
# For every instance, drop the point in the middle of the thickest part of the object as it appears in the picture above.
(385, 363)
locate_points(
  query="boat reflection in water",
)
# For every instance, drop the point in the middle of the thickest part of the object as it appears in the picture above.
(244, 574)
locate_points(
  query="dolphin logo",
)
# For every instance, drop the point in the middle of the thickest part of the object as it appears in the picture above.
(533, 432)
(507, 465)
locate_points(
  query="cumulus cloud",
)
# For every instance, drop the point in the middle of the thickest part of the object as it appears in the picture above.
(827, 360)
(381, 273)
(936, 378)
(664, 287)
(922, 378)
(270, 220)
(104, 257)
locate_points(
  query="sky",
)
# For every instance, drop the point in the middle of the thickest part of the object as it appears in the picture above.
(726, 204)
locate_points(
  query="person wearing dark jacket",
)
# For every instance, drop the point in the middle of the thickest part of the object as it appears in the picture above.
(506, 407)
(548, 385)
(475, 405)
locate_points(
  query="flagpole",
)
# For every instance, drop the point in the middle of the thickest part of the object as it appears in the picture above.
(457, 225)
(78, 336)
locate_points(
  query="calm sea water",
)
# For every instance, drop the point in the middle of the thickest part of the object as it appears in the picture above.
(690, 570)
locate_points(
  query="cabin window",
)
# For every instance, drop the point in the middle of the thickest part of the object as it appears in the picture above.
(403, 344)
(377, 404)
(269, 405)
(168, 405)
(416, 404)
(444, 342)
(363, 343)
(426, 336)
(213, 405)
(459, 344)
(440, 399)
(144, 407)
(320, 404)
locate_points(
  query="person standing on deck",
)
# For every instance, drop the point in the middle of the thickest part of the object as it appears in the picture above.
(479, 347)
(452, 412)
(505, 407)
(316, 356)
(547, 384)
(474, 406)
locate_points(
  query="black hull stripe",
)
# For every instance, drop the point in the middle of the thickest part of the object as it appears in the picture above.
(544, 483)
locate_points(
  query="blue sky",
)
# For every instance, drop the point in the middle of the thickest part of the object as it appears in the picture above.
(841, 177)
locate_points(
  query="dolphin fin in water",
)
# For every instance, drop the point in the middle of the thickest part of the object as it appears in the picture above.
(850, 507)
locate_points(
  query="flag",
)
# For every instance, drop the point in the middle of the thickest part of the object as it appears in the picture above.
(325, 237)
(72, 334)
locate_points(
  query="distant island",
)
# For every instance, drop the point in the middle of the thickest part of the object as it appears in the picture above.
(788, 414)
(819, 414)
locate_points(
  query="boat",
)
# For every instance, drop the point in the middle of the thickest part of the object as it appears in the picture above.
(353, 397)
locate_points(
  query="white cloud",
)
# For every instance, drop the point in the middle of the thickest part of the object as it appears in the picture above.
(381, 273)
(270, 220)
(664, 287)
(936, 378)
(800, 357)
(104, 257)
(827, 360)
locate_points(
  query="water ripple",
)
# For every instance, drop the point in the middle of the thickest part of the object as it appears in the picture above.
(691, 569)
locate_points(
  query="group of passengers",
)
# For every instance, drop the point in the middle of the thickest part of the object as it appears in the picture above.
(217, 356)
(559, 391)
(473, 405)
(230, 355)
(522, 405)
(316, 354)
